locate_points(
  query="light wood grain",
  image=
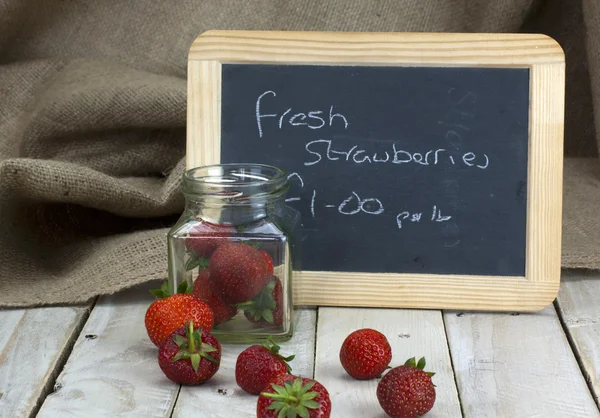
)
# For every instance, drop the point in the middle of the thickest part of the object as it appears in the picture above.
(410, 333)
(541, 54)
(221, 397)
(545, 174)
(376, 48)
(422, 291)
(516, 366)
(113, 369)
(579, 304)
(33, 344)
(203, 109)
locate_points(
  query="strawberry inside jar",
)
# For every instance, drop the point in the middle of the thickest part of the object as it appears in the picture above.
(236, 241)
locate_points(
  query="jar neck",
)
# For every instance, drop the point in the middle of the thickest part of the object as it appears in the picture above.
(229, 214)
(234, 194)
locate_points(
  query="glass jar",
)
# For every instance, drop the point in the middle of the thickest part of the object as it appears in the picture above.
(236, 241)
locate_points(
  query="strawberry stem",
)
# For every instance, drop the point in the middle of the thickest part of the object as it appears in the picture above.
(282, 397)
(274, 348)
(190, 333)
(293, 399)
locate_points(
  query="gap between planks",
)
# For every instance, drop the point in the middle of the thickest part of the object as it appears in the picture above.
(221, 397)
(113, 371)
(410, 333)
(579, 312)
(33, 351)
(516, 365)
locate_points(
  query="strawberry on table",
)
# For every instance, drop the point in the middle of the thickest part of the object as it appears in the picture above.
(291, 396)
(238, 272)
(258, 365)
(365, 354)
(407, 391)
(204, 238)
(267, 307)
(170, 312)
(203, 290)
(188, 356)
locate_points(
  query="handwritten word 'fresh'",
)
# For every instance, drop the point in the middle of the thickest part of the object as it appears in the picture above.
(313, 119)
(323, 149)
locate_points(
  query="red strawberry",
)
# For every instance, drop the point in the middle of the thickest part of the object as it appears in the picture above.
(203, 290)
(266, 309)
(171, 312)
(258, 365)
(238, 272)
(268, 261)
(190, 357)
(205, 237)
(407, 391)
(292, 396)
(365, 354)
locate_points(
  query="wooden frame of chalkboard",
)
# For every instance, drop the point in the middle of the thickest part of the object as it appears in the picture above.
(212, 51)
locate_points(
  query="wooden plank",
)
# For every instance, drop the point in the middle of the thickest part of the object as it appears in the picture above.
(33, 345)
(113, 370)
(580, 310)
(220, 397)
(541, 54)
(516, 366)
(410, 333)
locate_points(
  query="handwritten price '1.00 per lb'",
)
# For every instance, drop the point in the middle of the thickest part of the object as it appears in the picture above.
(354, 204)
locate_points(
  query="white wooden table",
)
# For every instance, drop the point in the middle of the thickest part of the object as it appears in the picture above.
(97, 361)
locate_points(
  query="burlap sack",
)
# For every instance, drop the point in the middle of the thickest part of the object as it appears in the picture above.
(92, 123)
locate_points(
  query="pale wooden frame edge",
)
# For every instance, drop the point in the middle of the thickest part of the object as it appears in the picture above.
(544, 219)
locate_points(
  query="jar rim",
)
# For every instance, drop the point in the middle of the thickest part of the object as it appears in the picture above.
(235, 182)
(277, 174)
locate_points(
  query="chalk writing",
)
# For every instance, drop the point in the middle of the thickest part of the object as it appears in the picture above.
(354, 204)
(372, 206)
(312, 119)
(325, 149)
(456, 123)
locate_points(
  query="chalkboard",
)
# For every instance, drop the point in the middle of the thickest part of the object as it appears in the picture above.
(393, 169)
(428, 167)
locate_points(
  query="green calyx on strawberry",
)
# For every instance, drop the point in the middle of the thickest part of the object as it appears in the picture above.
(164, 292)
(196, 262)
(170, 312)
(267, 306)
(258, 365)
(191, 347)
(293, 399)
(419, 365)
(188, 356)
(271, 346)
(407, 391)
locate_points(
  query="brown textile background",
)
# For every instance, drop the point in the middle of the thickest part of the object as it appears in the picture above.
(92, 123)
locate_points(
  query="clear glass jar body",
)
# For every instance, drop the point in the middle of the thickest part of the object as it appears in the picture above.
(236, 242)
